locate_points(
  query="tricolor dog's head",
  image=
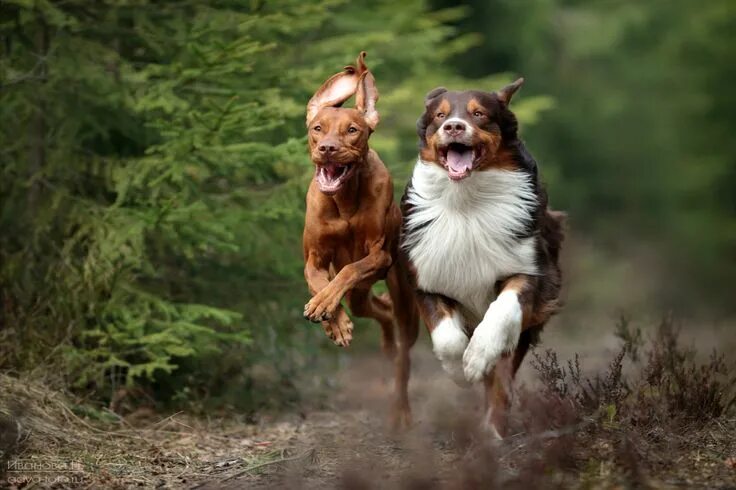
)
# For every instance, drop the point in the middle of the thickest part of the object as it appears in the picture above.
(464, 132)
(338, 136)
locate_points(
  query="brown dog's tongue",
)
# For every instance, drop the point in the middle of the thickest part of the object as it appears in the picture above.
(460, 161)
(330, 171)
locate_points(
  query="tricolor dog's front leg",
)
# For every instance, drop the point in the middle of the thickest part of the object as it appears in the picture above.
(446, 326)
(498, 333)
(494, 353)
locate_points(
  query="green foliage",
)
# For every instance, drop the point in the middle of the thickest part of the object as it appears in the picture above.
(638, 147)
(153, 176)
(153, 164)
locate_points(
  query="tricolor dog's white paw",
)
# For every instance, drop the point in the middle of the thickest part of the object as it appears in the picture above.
(498, 333)
(449, 342)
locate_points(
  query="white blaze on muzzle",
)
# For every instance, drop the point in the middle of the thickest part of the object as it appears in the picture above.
(459, 153)
(465, 138)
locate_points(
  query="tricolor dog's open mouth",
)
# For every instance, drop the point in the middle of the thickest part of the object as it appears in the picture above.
(459, 159)
(331, 177)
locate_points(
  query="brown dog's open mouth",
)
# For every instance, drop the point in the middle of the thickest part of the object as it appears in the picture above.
(331, 177)
(459, 159)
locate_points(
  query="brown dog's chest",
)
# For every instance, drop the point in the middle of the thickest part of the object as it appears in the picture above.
(346, 239)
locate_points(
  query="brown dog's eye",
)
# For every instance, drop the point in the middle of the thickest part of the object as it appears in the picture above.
(440, 115)
(317, 128)
(352, 129)
(478, 114)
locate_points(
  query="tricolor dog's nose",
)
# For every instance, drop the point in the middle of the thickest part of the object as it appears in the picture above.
(454, 128)
(327, 148)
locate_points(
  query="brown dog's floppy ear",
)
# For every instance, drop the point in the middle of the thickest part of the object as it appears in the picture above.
(505, 94)
(337, 89)
(366, 98)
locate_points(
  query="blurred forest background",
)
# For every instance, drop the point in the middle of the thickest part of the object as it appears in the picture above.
(153, 168)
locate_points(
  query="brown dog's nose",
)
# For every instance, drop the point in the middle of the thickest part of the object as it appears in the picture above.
(454, 127)
(327, 148)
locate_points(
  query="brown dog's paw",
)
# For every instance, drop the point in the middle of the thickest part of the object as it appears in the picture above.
(314, 317)
(321, 307)
(329, 331)
(342, 327)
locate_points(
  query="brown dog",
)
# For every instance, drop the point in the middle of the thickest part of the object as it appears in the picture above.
(352, 226)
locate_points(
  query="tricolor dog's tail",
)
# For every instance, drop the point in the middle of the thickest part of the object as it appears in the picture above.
(553, 228)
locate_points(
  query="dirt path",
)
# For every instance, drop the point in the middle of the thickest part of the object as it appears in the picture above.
(346, 442)
(351, 442)
(350, 445)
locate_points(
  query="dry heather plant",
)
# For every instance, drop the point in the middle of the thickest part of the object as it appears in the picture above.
(666, 379)
(656, 402)
(656, 415)
(687, 389)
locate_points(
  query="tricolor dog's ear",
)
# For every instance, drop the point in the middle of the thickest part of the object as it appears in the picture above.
(432, 94)
(367, 96)
(505, 94)
(424, 119)
(337, 89)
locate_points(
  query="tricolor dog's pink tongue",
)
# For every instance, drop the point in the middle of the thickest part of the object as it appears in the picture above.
(460, 161)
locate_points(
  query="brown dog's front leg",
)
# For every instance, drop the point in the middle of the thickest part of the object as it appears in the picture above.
(323, 305)
(338, 329)
(318, 278)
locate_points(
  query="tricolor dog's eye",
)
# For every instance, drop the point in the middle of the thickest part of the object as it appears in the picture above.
(478, 114)
(317, 128)
(352, 129)
(440, 115)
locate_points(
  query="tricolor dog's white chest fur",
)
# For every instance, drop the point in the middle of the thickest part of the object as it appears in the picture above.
(462, 236)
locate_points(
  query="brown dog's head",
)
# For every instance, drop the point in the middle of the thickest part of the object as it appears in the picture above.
(465, 131)
(338, 136)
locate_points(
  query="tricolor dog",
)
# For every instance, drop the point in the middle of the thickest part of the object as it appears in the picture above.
(482, 243)
(352, 226)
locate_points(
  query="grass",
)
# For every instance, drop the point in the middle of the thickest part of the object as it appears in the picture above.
(42, 427)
